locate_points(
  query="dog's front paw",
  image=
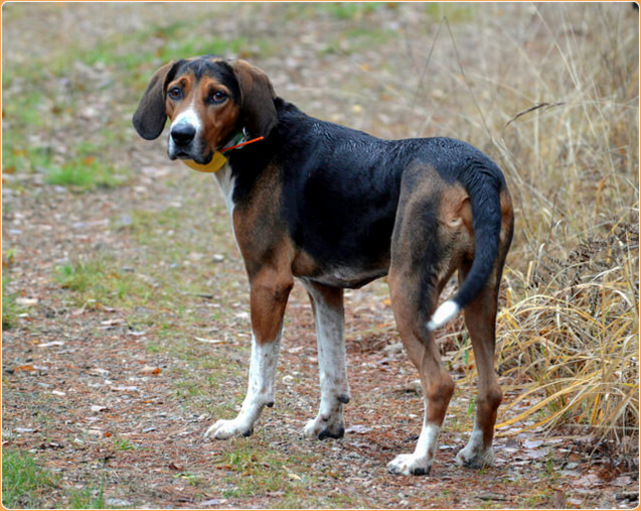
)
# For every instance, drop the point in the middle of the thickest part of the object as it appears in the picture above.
(410, 464)
(224, 429)
(473, 457)
(322, 427)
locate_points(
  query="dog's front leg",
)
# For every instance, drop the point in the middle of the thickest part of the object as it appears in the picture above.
(269, 295)
(327, 303)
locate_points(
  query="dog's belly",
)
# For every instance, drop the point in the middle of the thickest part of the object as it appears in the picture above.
(347, 277)
(348, 254)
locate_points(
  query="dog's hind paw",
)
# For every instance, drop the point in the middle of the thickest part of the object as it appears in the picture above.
(224, 429)
(410, 464)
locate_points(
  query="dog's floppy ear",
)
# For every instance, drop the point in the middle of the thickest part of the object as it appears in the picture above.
(149, 119)
(257, 99)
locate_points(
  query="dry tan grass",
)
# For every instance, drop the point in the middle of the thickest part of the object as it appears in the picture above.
(564, 126)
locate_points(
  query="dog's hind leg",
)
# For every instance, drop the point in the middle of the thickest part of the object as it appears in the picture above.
(327, 303)
(438, 386)
(480, 318)
(429, 237)
(268, 299)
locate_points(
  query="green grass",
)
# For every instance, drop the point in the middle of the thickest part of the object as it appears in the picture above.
(348, 10)
(123, 444)
(10, 309)
(98, 280)
(28, 485)
(248, 462)
(454, 12)
(86, 170)
(88, 498)
(146, 227)
(83, 175)
(25, 484)
(26, 111)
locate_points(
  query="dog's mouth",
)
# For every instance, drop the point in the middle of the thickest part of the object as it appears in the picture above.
(175, 153)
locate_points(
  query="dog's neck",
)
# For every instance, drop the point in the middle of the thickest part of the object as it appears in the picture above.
(226, 180)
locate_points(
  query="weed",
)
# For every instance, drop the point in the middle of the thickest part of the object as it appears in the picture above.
(470, 406)
(192, 479)
(88, 498)
(10, 308)
(455, 13)
(123, 444)
(86, 174)
(249, 459)
(24, 481)
(25, 112)
(348, 10)
(97, 281)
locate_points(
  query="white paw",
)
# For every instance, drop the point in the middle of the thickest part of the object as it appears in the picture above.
(224, 429)
(322, 428)
(475, 457)
(410, 464)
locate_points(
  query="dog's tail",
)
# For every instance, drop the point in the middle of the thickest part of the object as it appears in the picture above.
(483, 182)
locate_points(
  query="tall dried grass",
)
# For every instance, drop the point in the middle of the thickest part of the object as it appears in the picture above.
(555, 100)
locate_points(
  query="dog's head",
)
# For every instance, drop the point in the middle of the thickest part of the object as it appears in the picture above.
(208, 101)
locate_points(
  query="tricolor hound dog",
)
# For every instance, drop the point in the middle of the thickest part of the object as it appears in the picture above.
(337, 208)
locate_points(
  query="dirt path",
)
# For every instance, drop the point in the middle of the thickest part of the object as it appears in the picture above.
(131, 324)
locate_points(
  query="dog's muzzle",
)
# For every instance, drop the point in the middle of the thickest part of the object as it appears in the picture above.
(185, 144)
(183, 135)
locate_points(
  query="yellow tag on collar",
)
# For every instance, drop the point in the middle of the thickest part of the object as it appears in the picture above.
(216, 163)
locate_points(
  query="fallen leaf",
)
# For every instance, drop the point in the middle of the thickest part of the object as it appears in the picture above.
(588, 480)
(26, 301)
(536, 454)
(210, 341)
(49, 344)
(358, 428)
(26, 368)
(98, 408)
(622, 481)
(558, 499)
(24, 430)
(111, 323)
(150, 370)
(213, 502)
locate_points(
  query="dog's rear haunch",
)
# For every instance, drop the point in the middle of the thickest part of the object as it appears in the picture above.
(337, 208)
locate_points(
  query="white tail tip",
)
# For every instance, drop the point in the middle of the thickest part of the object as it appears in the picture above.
(443, 314)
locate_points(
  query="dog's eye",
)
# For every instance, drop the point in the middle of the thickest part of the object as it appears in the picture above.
(217, 97)
(175, 93)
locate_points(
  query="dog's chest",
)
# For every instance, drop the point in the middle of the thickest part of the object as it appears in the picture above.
(226, 183)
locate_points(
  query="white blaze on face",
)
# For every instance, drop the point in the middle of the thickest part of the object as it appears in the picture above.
(188, 117)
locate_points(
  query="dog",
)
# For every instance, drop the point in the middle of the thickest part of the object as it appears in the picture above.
(336, 208)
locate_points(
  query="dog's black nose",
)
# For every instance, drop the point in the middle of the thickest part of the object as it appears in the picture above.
(183, 134)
